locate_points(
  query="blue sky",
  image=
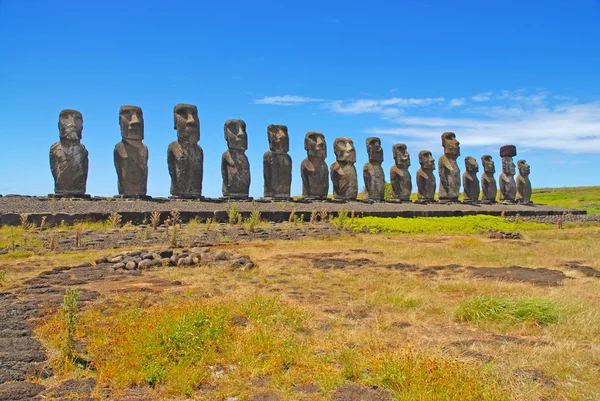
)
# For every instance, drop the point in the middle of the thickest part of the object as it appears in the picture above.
(494, 72)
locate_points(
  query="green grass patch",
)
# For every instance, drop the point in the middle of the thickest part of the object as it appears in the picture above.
(586, 198)
(507, 310)
(443, 225)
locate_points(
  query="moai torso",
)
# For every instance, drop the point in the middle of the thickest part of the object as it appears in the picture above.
(523, 184)
(277, 164)
(489, 189)
(425, 185)
(470, 187)
(68, 157)
(373, 172)
(343, 171)
(449, 171)
(131, 155)
(235, 167)
(400, 179)
(508, 187)
(314, 171)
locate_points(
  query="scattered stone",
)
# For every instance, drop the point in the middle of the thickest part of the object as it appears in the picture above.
(356, 392)
(239, 321)
(73, 387)
(307, 388)
(264, 397)
(15, 391)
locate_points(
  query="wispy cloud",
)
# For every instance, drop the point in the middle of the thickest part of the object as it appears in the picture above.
(482, 97)
(457, 102)
(286, 100)
(389, 106)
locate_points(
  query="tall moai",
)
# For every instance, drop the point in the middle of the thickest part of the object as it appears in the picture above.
(277, 164)
(508, 186)
(425, 178)
(314, 171)
(448, 169)
(343, 171)
(523, 184)
(489, 189)
(68, 156)
(470, 181)
(373, 172)
(185, 157)
(235, 167)
(131, 154)
(400, 179)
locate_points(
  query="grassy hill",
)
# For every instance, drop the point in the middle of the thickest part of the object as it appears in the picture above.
(586, 198)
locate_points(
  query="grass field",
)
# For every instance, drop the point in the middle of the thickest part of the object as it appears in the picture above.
(586, 198)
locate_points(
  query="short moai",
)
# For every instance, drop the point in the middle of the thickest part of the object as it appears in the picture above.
(185, 157)
(235, 167)
(277, 164)
(400, 179)
(425, 178)
(373, 172)
(470, 181)
(343, 171)
(508, 186)
(68, 157)
(523, 184)
(314, 171)
(489, 189)
(131, 154)
(448, 169)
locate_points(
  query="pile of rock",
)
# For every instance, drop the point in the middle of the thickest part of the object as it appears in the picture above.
(145, 259)
(504, 234)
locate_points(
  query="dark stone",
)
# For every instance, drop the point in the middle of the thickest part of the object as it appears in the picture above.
(235, 167)
(357, 392)
(68, 157)
(425, 178)
(488, 182)
(165, 253)
(508, 186)
(470, 180)
(523, 183)
(343, 172)
(400, 179)
(131, 155)
(372, 171)
(508, 151)
(314, 171)
(101, 259)
(184, 156)
(448, 168)
(277, 164)
(19, 391)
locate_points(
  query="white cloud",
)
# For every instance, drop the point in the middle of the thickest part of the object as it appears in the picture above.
(384, 106)
(482, 97)
(457, 102)
(286, 100)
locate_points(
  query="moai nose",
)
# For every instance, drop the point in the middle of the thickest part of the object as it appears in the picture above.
(190, 119)
(134, 120)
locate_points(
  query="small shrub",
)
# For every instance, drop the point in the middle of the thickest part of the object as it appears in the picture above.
(323, 215)
(23, 218)
(175, 217)
(174, 234)
(155, 220)
(114, 220)
(2, 277)
(233, 214)
(313, 216)
(292, 216)
(507, 310)
(208, 223)
(68, 314)
(253, 220)
(341, 221)
(42, 223)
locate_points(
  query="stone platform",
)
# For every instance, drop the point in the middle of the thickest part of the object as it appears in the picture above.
(138, 211)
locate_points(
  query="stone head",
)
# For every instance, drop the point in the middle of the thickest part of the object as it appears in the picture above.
(471, 164)
(70, 125)
(508, 167)
(344, 150)
(451, 145)
(523, 167)
(235, 134)
(314, 144)
(374, 150)
(131, 120)
(186, 123)
(426, 160)
(401, 156)
(488, 164)
(279, 141)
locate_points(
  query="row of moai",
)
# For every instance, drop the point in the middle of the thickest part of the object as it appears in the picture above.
(69, 165)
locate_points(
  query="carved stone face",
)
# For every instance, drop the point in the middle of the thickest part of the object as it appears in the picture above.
(279, 141)
(508, 167)
(488, 164)
(315, 145)
(523, 167)
(401, 156)
(374, 150)
(235, 134)
(344, 150)
(426, 160)
(471, 164)
(451, 145)
(131, 120)
(70, 125)
(187, 123)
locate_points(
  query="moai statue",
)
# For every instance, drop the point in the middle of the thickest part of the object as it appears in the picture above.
(343, 172)
(488, 182)
(508, 187)
(184, 156)
(277, 164)
(68, 157)
(400, 178)
(523, 183)
(314, 171)
(448, 168)
(425, 177)
(131, 155)
(470, 180)
(373, 173)
(235, 167)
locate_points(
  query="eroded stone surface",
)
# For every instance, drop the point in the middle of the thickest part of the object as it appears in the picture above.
(425, 177)
(400, 178)
(343, 172)
(508, 186)
(185, 157)
(448, 168)
(131, 154)
(372, 171)
(523, 183)
(488, 182)
(68, 156)
(277, 163)
(470, 180)
(314, 171)
(235, 167)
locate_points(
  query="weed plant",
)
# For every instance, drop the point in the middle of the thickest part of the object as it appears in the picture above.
(2, 277)
(233, 214)
(68, 320)
(507, 310)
